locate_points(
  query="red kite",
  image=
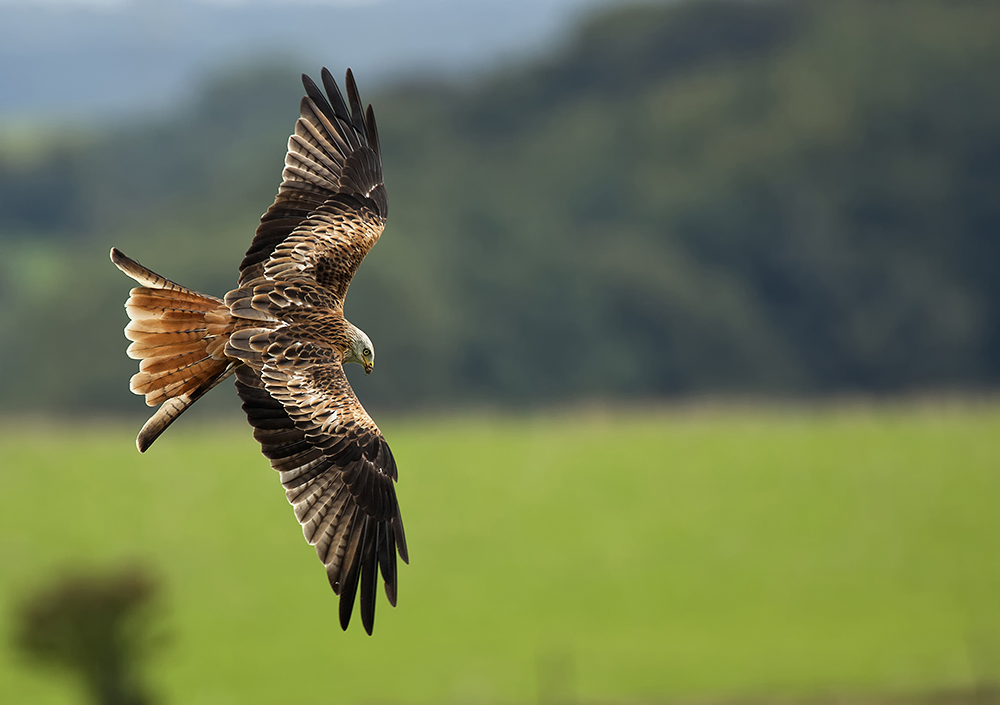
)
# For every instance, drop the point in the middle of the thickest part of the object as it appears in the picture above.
(282, 332)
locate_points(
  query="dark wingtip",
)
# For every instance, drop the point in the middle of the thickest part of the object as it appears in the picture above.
(349, 586)
(371, 129)
(386, 555)
(369, 575)
(312, 90)
(348, 591)
(352, 88)
(404, 554)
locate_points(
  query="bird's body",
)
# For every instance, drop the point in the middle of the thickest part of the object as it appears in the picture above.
(283, 334)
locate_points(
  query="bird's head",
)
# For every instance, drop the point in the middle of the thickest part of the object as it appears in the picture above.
(361, 350)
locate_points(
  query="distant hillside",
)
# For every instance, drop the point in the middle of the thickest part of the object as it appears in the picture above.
(718, 196)
(88, 59)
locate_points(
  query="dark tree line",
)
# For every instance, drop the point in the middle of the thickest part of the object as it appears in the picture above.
(717, 196)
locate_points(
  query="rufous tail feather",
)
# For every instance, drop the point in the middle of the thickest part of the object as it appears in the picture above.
(179, 338)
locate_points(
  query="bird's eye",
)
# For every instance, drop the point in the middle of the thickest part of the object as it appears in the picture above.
(366, 352)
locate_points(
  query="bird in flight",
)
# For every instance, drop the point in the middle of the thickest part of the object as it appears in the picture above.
(283, 334)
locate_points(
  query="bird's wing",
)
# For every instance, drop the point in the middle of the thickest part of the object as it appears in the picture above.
(331, 204)
(335, 465)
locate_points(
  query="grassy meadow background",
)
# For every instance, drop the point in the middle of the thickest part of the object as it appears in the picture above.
(702, 552)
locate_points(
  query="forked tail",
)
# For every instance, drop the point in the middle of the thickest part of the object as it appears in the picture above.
(179, 338)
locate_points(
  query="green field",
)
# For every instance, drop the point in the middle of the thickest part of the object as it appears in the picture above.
(664, 555)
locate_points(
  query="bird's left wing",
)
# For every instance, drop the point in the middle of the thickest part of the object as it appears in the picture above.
(335, 465)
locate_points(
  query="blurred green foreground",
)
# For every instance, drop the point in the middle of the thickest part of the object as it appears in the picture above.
(595, 557)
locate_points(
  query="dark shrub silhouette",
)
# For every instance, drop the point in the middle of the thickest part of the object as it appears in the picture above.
(96, 625)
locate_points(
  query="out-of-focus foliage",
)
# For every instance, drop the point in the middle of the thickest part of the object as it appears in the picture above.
(96, 626)
(714, 196)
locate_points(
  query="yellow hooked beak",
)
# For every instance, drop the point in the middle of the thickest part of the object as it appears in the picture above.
(369, 366)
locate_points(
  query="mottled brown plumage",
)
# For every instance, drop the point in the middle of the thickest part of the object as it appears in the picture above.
(282, 332)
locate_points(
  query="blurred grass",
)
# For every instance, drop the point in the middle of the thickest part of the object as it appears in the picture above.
(733, 552)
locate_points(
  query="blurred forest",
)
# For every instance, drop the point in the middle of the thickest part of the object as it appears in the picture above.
(730, 197)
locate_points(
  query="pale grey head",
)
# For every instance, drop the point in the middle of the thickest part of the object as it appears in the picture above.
(361, 349)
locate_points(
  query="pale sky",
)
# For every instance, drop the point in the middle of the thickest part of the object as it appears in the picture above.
(98, 58)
